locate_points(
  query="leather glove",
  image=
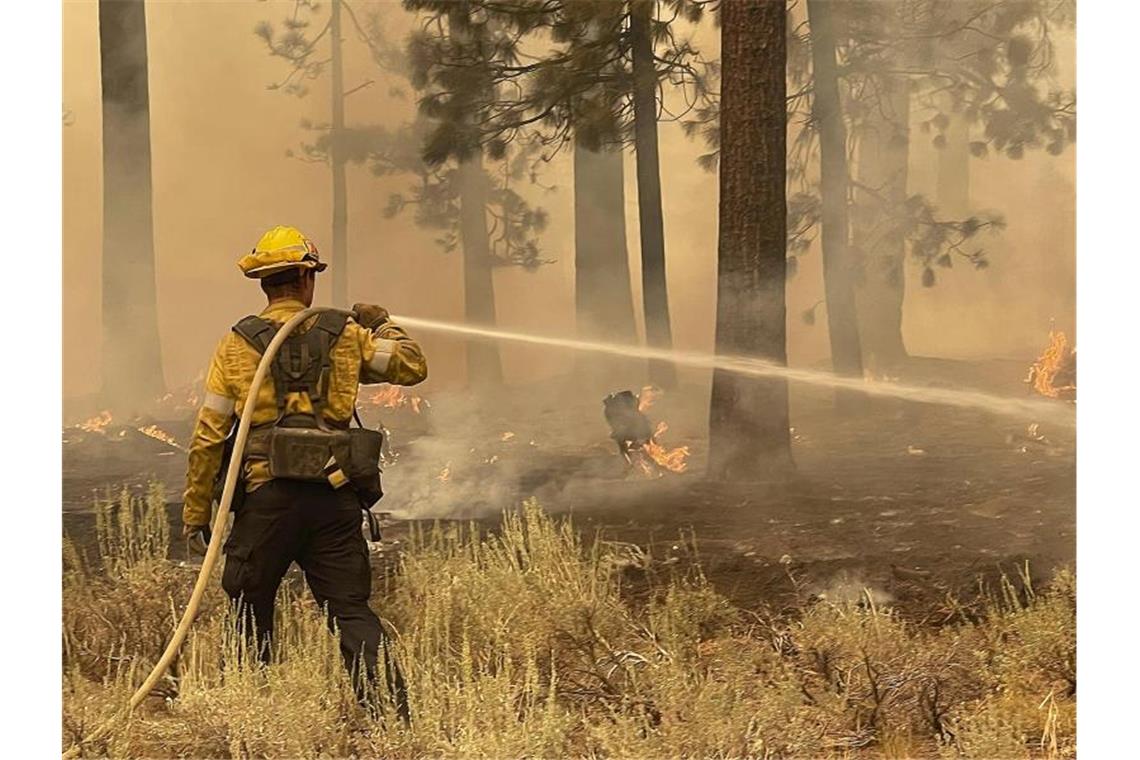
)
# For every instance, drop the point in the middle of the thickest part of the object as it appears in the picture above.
(197, 538)
(370, 315)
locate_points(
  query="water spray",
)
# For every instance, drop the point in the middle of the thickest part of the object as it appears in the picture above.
(1021, 408)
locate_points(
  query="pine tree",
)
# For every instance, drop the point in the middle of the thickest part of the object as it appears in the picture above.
(748, 417)
(132, 360)
(838, 269)
(595, 86)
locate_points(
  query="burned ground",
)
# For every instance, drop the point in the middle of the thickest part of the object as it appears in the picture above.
(908, 503)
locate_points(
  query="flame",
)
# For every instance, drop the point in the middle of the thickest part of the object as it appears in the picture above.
(506, 436)
(395, 397)
(648, 397)
(184, 398)
(444, 474)
(654, 460)
(97, 424)
(1054, 374)
(672, 460)
(157, 433)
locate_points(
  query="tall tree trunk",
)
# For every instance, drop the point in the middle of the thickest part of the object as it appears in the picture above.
(483, 366)
(882, 175)
(953, 190)
(337, 163)
(132, 359)
(838, 272)
(658, 330)
(603, 299)
(748, 417)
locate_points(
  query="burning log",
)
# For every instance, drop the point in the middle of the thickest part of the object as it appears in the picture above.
(637, 438)
(629, 426)
(1054, 374)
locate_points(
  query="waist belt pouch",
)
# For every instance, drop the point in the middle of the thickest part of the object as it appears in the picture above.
(363, 465)
(303, 453)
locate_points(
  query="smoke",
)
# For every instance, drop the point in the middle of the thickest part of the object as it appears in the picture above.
(221, 177)
(480, 455)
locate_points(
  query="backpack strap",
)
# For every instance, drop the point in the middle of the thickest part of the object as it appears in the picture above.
(293, 368)
(324, 333)
(256, 331)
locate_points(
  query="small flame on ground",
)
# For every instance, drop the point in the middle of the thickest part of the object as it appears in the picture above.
(672, 460)
(97, 424)
(184, 398)
(395, 397)
(1054, 374)
(654, 460)
(157, 433)
(506, 436)
(444, 474)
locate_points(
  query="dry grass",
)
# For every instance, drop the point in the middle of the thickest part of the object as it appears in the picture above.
(522, 643)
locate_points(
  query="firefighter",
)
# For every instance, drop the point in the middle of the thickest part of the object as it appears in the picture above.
(295, 506)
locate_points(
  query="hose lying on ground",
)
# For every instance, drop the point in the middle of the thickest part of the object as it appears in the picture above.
(216, 536)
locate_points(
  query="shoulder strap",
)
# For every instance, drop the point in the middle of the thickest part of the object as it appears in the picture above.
(326, 331)
(304, 361)
(332, 322)
(256, 331)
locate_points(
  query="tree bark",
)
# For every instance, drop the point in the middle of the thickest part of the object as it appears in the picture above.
(882, 176)
(603, 299)
(658, 329)
(483, 366)
(748, 417)
(838, 272)
(132, 358)
(339, 263)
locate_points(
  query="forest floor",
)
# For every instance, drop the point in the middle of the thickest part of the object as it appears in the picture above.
(908, 502)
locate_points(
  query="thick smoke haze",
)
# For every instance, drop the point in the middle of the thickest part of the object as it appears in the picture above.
(221, 177)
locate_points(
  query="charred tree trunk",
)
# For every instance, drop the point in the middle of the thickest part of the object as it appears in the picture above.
(838, 272)
(658, 330)
(132, 359)
(882, 178)
(337, 164)
(748, 417)
(483, 366)
(603, 299)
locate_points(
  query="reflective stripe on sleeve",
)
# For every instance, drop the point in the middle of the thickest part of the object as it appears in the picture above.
(385, 349)
(216, 402)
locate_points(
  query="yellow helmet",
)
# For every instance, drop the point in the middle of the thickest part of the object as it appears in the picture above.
(279, 249)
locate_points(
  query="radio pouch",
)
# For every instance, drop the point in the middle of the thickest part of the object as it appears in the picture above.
(303, 453)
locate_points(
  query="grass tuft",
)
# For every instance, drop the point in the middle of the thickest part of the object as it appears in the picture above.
(522, 642)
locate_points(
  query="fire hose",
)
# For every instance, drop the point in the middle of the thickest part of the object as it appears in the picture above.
(216, 534)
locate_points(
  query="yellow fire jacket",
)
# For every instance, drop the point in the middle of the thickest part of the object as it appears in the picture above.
(360, 355)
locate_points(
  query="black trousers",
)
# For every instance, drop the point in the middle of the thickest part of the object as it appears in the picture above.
(286, 521)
